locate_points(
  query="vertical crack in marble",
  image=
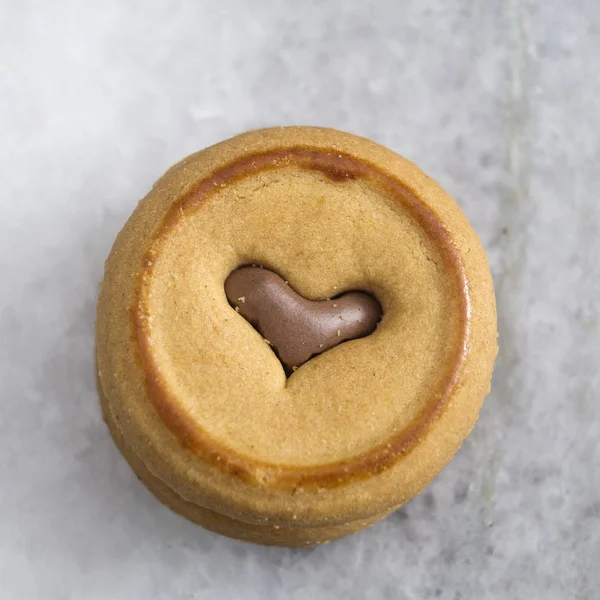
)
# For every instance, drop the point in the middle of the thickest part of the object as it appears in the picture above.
(516, 208)
(511, 246)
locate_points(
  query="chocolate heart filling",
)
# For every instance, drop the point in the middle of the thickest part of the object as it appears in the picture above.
(296, 328)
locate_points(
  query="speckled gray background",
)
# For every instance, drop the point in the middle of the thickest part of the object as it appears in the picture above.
(498, 100)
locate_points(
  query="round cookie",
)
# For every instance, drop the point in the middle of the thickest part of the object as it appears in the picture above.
(207, 415)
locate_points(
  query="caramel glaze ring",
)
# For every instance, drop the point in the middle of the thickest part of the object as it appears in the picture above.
(220, 422)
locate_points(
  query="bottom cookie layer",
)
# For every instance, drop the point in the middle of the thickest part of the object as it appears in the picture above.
(213, 521)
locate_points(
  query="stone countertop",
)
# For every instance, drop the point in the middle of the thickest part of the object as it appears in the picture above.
(498, 101)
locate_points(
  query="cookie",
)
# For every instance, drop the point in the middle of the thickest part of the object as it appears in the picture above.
(295, 333)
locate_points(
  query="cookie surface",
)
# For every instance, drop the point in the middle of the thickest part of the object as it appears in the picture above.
(204, 403)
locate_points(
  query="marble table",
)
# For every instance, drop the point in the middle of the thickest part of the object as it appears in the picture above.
(499, 101)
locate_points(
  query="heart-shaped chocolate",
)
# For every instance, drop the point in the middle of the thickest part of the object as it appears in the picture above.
(296, 328)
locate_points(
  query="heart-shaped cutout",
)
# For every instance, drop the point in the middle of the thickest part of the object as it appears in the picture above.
(296, 328)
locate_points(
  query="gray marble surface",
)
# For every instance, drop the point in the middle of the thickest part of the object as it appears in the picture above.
(497, 100)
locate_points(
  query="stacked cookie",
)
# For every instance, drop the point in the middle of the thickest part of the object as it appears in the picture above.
(295, 333)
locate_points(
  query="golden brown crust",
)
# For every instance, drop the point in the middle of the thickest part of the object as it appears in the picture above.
(216, 471)
(213, 521)
(339, 167)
